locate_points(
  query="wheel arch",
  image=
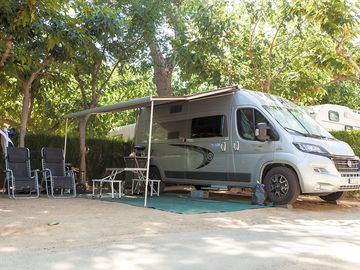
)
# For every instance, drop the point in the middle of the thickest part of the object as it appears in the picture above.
(269, 166)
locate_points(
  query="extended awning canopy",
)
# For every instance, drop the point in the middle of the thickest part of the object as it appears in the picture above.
(149, 101)
(146, 102)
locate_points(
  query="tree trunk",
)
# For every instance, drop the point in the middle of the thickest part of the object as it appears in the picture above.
(163, 68)
(82, 132)
(162, 78)
(26, 85)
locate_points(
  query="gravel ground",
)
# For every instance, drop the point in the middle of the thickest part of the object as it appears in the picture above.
(87, 234)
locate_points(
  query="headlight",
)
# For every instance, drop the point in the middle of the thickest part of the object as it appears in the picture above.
(311, 148)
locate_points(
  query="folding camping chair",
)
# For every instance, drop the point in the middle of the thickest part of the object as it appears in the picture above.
(19, 176)
(138, 166)
(55, 175)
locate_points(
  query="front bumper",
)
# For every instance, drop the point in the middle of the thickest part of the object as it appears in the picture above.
(319, 175)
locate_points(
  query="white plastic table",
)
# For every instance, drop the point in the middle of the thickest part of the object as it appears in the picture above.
(109, 179)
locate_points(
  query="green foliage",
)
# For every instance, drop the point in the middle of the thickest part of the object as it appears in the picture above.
(345, 94)
(215, 43)
(351, 137)
(102, 153)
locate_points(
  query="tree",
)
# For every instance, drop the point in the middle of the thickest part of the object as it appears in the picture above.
(108, 43)
(160, 21)
(37, 40)
(338, 22)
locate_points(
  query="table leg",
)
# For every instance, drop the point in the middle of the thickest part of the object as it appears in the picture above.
(112, 190)
(93, 194)
(120, 189)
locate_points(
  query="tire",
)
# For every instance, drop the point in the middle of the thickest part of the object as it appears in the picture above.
(332, 197)
(154, 173)
(281, 185)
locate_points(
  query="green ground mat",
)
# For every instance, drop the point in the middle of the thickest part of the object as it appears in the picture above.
(181, 204)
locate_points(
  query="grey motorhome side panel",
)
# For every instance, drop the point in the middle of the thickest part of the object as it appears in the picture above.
(182, 159)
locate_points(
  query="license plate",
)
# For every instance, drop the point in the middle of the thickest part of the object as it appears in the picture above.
(353, 181)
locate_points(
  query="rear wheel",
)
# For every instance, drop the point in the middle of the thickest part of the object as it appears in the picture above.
(282, 185)
(154, 173)
(332, 197)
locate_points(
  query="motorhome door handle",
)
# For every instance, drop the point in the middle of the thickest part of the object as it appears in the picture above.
(237, 146)
(223, 146)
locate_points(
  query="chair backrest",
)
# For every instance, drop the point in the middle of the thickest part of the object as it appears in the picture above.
(53, 159)
(18, 160)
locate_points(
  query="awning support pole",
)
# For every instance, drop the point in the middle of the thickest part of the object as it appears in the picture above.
(65, 142)
(149, 152)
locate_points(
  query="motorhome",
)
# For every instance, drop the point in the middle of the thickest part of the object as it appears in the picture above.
(241, 138)
(126, 132)
(335, 117)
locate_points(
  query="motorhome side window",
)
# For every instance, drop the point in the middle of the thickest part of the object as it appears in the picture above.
(210, 126)
(247, 119)
(334, 116)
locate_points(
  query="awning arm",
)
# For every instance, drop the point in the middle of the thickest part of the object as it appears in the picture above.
(65, 142)
(149, 152)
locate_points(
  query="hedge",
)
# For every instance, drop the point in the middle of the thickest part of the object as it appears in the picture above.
(102, 153)
(351, 137)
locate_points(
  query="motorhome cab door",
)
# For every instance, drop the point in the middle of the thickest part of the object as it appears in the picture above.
(248, 154)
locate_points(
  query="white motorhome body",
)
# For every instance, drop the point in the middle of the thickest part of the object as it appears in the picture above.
(335, 117)
(126, 132)
(244, 137)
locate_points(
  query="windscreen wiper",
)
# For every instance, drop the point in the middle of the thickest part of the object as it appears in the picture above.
(308, 134)
(299, 132)
(319, 136)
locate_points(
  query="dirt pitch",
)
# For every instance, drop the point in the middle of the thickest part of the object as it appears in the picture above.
(92, 234)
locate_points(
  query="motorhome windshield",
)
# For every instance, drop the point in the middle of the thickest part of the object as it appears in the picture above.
(296, 121)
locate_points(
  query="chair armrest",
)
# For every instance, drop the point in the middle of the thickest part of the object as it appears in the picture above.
(9, 172)
(47, 173)
(35, 172)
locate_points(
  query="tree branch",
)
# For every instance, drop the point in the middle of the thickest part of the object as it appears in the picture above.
(110, 75)
(271, 48)
(35, 73)
(338, 78)
(341, 51)
(250, 53)
(94, 79)
(82, 89)
(7, 49)
(156, 53)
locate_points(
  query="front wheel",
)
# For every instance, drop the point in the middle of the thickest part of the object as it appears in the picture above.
(282, 185)
(332, 197)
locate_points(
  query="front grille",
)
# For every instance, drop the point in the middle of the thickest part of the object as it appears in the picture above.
(344, 164)
(350, 175)
(350, 187)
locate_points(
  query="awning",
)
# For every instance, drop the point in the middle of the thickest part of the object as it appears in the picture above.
(146, 102)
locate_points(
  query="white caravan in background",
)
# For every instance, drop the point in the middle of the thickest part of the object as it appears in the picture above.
(240, 138)
(126, 132)
(335, 117)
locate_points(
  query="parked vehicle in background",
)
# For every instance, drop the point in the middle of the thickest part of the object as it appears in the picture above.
(335, 117)
(126, 132)
(241, 138)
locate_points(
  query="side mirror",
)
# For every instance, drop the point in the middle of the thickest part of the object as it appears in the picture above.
(261, 132)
